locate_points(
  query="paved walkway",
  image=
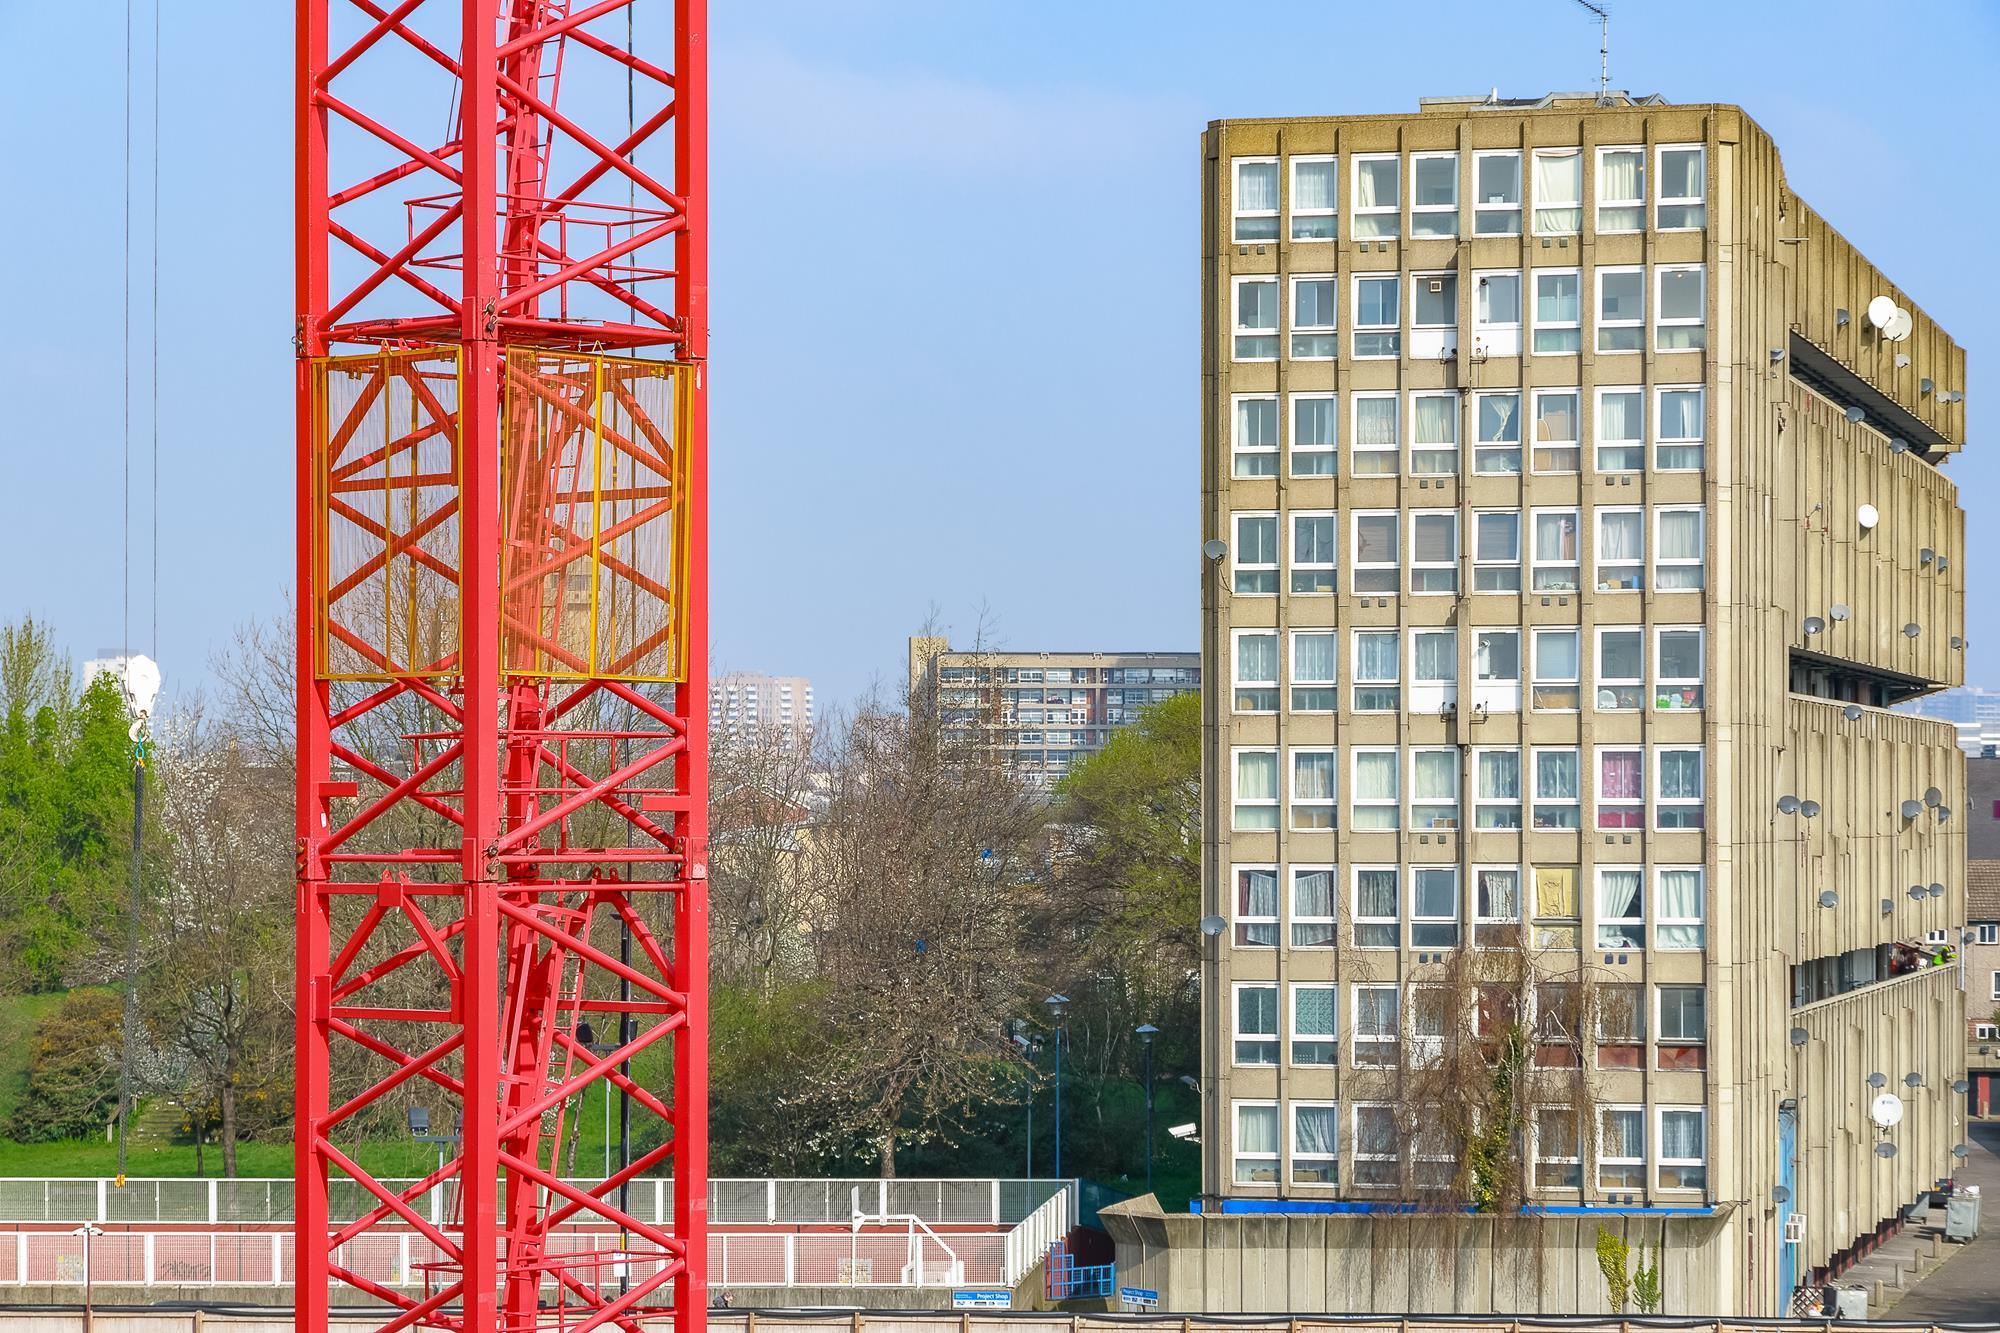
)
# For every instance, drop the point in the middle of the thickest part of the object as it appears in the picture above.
(1966, 1288)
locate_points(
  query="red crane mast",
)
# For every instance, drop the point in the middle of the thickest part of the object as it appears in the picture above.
(502, 653)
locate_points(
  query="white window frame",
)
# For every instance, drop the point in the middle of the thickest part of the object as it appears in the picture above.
(1392, 211)
(1601, 562)
(1445, 932)
(1373, 1042)
(1361, 682)
(1499, 568)
(1240, 330)
(1637, 205)
(1245, 924)
(1331, 213)
(1599, 443)
(1428, 694)
(1237, 803)
(1239, 214)
(1988, 932)
(1663, 1161)
(1536, 565)
(1573, 1161)
(1332, 1039)
(1330, 803)
(1661, 803)
(1537, 679)
(1662, 562)
(1238, 1036)
(1300, 565)
(1331, 921)
(1630, 687)
(1437, 338)
(1317, 1161)
(1456, 801)
(1298, 328)
(1361, 570)
(1664, 201)
(1394, 332)
(1538, 204)
(1663, 682)
(1299, 681)
(1482, 449)
(1255, 1161)
(1433, 566)
(1393, 1159)
(1631, 929)
(1497, 931)
(1662, 922)
(1554, 326)
(1238, 567)
(1660, 322)
(1419, 213)
(1663, 442)
(1238, 685)
(1535, 445)
(1621, 805)
(1241, 451)
(1481, 208)
(1497, 337)
(1328, 453)
(1605, 324)
(1366, 462)
(1414, 447)
(1392, 805)
(1538, 801)
(1481, 802)
(1494, 693)
(1634, 1166)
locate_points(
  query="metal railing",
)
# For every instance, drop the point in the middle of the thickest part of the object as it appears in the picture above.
(1039, 1233)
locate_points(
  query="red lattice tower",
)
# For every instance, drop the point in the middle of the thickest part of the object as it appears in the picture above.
(502, 667)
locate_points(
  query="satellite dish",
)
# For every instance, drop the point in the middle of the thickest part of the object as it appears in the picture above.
(1937, 890)
(1912, 630)
(1881, 310)
(1828, 898)
(1944, 813)
(1933, 797)
(1810, 809)
(1212, 926)
(1800, 1036)
(1913, 1080)
(1898, 445)
(1959, 1086)
(1852, 712)
(1918, 893)
(1957, 642)
(1886, 1110)
(1788, 805)
(1925, 555)
(1856, 414)
(1781, 1194)
(1838, 611)
(1878, 1079)
(1900, 325)
(1868, 516)
(1215, 548)
(1911, 809)
(1959, 1150)
(1885, 1149)
(1814, 624)
(1888, 906)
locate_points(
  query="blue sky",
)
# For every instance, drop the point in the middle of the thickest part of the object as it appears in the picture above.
(955, 276)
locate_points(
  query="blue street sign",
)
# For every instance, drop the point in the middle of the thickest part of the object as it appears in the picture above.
(982, 1300)
(1145, 1296)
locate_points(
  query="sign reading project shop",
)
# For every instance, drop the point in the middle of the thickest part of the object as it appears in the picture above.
(982, 1300)
(1139, 1298)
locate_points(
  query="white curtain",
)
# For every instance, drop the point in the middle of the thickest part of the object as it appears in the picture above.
(1312, 186)
(1257, 893)
(1435, 775)
(1312, 895)
(1376, 1016)
(1619, 894)
(1624, 1133)
(1375, 423)
(1257, 1129)
(1257, 187)
(1315, 423)
(1314, 775)
(1314, 657)
(1619, 176)
(1375, 185)
(1499, 775)
(1680, 414)
(1555, 538)
(1500, 895)
(1375, 779)
(1680, 775)
(1558, 191)
(1257, 423)
(1500, 418)
(1618, 417)
(1257, 776)
(1681, 1137)
(1680, 535)
(1375, 659)
(1680, 900)
(1316, 1128)
(1621, 537)
(1437, 419)
(1257, 659)
(1556, 775)
(1436, 656)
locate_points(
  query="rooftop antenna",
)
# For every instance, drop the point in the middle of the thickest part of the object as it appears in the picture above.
(1603, 51)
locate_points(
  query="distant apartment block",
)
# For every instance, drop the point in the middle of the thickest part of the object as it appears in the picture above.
(1974, 711)
(1044, 711)
(745, 701)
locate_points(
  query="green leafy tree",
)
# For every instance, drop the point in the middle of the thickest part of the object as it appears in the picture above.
(1614, 1260)
(73, 1062)
(1646, 1292)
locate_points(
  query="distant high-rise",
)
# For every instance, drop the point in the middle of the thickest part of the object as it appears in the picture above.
(745, 701)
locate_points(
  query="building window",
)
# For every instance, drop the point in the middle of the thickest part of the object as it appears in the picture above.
(1315, 658)
(1498, 448)
(1256, 319)
(1433, 315)
(1556, 918)
(1433, 669)
(1315, 434)
(1256, 1024)
(1315, 1143)
(1375, 551)
(1377, 680)
(1496, 190)
(1256, 790)
(1621, 189)
(1496, 550)
(1375, 1146)
(1558, 1157)
(1430, 1020)
(1315, 790)
(1434, 788)
(1315, 548)
(1678, 668)
(1621, 1148)
(1678, 549)
(1621, 550)
(1621, 430)
(1621, 309)
(1680, 305)
(1558, 1025)
(1621, 907)
(1496, 788)
(1556, 422)
(1315, 214)
(1679, 430)
(1558, 312)
(1621, 657)
(1989, 932)
(1621, 788)
(1255, 437)
(1679, 801)
(1683, 1027)
(1555, 554)
(1256, 1143)
(1312, 907)
(1434, 551)
(1496, 670)
(1434, 194)
(1683, 1148)
(1315, 1036)
(1555, 671)
(1377, 793)
(1678, 907)
(1996, 986)
(1256, 905)
(1256, 670)
(1377, 434)
(1434, 903)
(1377, 197)
(1556, 789)
(1256, 198)
(1558, 192)
(1313, 337)
(1376, 1035)
(1496, 906)
(1621, 1026)
(1378, 315)
(1433, 434)
(1255, 554)
(1496, 313)
(1683, 186)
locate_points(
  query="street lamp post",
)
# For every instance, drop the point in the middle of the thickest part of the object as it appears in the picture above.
(1146, 1033)
(1058, 1005)
(87, 1230)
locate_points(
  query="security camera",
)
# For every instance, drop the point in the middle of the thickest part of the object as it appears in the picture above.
(1187, 1131)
